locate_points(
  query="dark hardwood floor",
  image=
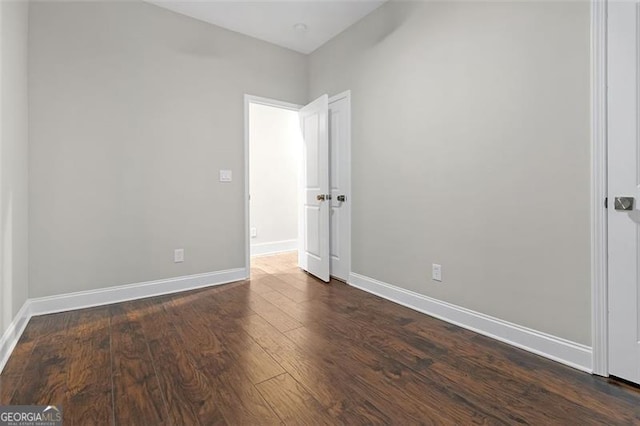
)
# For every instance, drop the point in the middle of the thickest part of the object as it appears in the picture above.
(284, 348)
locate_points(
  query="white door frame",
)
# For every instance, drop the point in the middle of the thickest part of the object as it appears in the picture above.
(248, 100)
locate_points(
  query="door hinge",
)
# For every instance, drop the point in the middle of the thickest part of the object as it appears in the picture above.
(606, 203)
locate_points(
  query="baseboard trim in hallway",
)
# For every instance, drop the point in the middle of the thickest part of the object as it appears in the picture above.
(558, 349)
(106, 296)
(276, 247)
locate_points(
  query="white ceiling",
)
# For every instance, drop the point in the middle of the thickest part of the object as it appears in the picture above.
(274, 21)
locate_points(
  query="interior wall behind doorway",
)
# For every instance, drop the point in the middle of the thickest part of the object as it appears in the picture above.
(274, 159)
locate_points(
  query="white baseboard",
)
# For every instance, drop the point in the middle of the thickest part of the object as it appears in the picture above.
(263, 249)
(107, 296)
(12, 334)
(558, 349)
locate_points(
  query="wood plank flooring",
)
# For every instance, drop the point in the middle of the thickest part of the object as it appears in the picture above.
(283, 348)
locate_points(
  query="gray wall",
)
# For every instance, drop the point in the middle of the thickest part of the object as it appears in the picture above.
(471, 149)
(134, 110)
(13, 160)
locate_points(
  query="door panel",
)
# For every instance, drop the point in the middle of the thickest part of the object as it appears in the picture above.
(314, 256)
(335, 236)
(312, 236)
(339, 131)
(311, 137)
(624, 181)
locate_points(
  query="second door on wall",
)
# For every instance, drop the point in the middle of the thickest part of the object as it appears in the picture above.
(624, 189)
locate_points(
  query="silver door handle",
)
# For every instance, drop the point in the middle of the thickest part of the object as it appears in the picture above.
(623, 203)
(342, 198)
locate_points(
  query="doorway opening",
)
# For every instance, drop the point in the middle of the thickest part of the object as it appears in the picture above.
(298, 182)
(274, 159)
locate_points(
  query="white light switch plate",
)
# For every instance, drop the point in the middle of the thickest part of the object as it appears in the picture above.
(436, 272)
(226, 176)
(254, 232)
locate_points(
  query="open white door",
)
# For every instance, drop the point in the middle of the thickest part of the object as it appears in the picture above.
(624, 186)
(313, 255)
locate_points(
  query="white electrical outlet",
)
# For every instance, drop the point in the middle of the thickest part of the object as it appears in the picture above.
(178, 255)
(254, 232)
(436, 272)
